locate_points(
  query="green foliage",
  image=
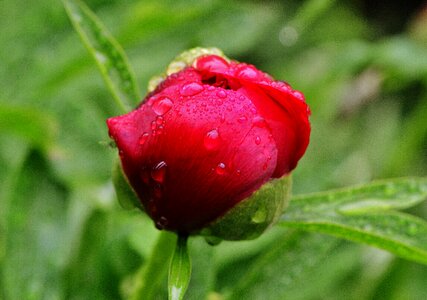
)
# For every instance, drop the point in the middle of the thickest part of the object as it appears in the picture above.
(361, 214)
(62, 234)
(179, 270)
(107, 53)
(251, 217)
(124, 193)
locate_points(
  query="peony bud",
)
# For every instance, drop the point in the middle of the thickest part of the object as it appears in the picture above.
(211, 147)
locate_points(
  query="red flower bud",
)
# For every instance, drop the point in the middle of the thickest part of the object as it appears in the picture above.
(207, 138)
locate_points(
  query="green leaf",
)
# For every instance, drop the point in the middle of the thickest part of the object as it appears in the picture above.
(179, 270)
(31, 124)
(360, 214)
(108, 54)
(151, 275)
(203, 269)
(125, 194)
(289, 260)
(377, 196)
(33, 235)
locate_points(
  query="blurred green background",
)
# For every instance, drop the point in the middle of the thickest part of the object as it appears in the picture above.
(361, 65)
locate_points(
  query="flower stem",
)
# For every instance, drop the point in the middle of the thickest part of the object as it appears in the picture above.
(179, 270)
(151, 275)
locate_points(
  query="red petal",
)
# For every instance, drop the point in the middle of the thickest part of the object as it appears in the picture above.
(206, 154)
(284, 110)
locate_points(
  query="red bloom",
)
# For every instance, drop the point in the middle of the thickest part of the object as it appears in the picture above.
(207, 138)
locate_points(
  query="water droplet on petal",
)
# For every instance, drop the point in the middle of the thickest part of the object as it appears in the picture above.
(153, 125)
(211, 63)
(212, 140)
(159, 120)
(191, 89)
(161, 223)
(159, 129)
(257, 140)
(222, 94)
(145, 175)
(247, 72)
(159, 171)
(162, 106)
(259, 121)
(220, 169)
(242, 119)
(143, 138)
(157, 190)
(238, 172)
(298, 95)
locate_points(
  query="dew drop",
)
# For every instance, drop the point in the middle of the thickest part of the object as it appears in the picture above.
(162, 106)
(212, 240)
(153, 125)
(238, 172)
(212, 140)
(159, 129)
(247, 72)
(143, 138)
(298, 95)
(211, 63)
(257, 140)
(222, 119)
(260, 216)
(161, 223)
(157, 190)
(159, 171)
(145, 176)
(222, 94)
(258, 121)
(242, 119)
(159, 120)
(191, 89)
(220, 169)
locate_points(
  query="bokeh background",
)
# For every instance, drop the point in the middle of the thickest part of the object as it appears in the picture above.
(361, 64)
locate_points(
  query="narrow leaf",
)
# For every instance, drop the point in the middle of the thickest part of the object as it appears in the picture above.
(179, 270)
(108, 54)
(377, 196)
(360, 214)
(34, 126)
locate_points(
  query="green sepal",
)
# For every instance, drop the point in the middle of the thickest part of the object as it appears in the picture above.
(125, 194)
(183, 60)
(251, 217)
